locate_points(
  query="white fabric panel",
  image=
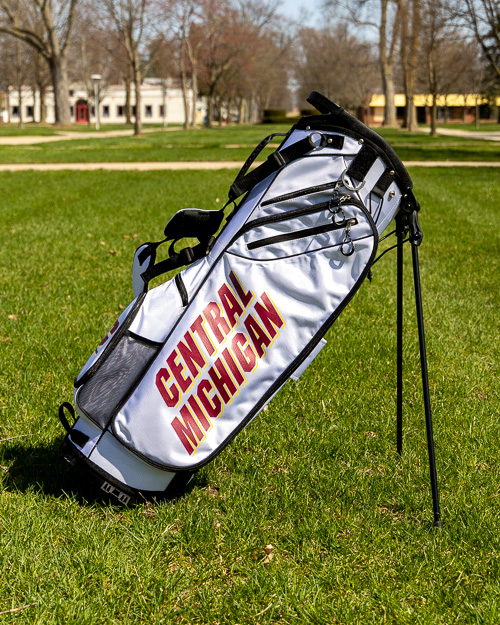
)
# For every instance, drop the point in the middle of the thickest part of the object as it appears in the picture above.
(305, 289)
(82, 424)
(159, 311)
(113, 458)
(300, 370)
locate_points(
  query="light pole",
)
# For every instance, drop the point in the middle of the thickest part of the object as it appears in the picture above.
(164, 125)
(96, 78)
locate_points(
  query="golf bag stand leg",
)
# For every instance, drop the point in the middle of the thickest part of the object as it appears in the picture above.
(407, 223)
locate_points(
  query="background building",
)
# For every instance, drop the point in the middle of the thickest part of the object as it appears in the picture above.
(160, 105)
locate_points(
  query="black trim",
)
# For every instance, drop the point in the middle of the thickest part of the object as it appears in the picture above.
(307, 191)
(124, 494)
(301, 234)
(182, 289)
(349, 125)
(296, 212)
(362, 163)
(383, 183)
(279, 159)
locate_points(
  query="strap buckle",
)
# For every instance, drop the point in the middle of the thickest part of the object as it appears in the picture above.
(278, 158)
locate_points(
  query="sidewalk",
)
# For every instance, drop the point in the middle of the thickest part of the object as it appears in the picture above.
(193, 165)
(469, 134)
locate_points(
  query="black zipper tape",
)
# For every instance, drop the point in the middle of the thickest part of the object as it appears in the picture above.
(301, 234)
(301, 192)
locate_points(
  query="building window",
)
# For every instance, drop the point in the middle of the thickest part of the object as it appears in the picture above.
(29, 111)
(161, 110)
(149, 110)
(15, 111)
(120, 111)
(133, 111)
(93, 111)
(71, 93)
(72, 111)
(105, 111)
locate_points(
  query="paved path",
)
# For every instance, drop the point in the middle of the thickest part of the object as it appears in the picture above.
(177, 165)
(469, 134)
(66, 135)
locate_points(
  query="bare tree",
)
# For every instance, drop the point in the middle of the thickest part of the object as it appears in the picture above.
(336, 63)
(483, 19)
(410, 43)
(449, 61)
(129, 21)
(47, 27)
(383, 17)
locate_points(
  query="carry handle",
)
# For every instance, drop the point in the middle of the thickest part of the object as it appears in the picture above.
(323, 104)
(187, 222)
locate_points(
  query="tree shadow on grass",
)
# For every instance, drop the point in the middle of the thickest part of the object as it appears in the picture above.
(41, 468)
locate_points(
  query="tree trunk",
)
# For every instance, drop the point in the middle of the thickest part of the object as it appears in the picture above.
(185, 96)
(59, 75)
(138, 102)
(387, 56)
(410, 45)
(434, 115)
(194, 86)
(477, 121)
(43, 108)
(390, 119)
(210, 110)
(128, 99)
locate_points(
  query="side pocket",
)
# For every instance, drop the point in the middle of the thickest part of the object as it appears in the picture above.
(101, 397)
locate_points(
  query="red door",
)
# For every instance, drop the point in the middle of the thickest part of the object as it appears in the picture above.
(82, 113)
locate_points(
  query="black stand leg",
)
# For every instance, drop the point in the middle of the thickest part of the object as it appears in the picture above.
(425, 384)
(399, 391)
(407, 223)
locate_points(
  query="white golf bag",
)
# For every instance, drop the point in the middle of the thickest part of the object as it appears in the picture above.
(192, 361)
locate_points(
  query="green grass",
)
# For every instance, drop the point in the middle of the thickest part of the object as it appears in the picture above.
(316, 475)
(229, 143)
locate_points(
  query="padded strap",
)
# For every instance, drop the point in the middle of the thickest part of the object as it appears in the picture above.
(362, 163)
(275, 161)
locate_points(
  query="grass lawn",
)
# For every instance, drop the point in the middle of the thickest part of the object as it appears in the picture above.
(228, 143)
(316, 475)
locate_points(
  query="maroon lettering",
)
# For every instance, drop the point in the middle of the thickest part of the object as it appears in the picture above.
(245, 298)
(218, 324)
(170, 393)
(191, 354)
(188, 430)
(213, 406)
(231, 305)
(257, 335)
(245, 355)
(237, 375)
(269, 316)
(178, 371)
(222, 380)
(197, 326)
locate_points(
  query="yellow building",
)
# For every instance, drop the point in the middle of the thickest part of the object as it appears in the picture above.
(453, 107)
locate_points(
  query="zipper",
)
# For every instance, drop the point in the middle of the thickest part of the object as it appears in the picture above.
(299, 212)
(300, 234)
(301, 192)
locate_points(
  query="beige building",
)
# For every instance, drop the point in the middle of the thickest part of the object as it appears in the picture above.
(160, 104)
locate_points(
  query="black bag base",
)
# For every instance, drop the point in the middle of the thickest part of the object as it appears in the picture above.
(101, 485)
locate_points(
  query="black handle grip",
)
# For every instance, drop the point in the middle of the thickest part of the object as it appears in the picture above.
(323, 104)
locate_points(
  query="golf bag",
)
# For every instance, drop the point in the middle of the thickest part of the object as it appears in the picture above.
(192, 361)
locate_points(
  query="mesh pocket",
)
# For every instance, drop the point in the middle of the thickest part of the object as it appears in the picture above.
(103, 394)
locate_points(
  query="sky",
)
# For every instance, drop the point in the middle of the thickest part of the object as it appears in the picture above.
(303, 10)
